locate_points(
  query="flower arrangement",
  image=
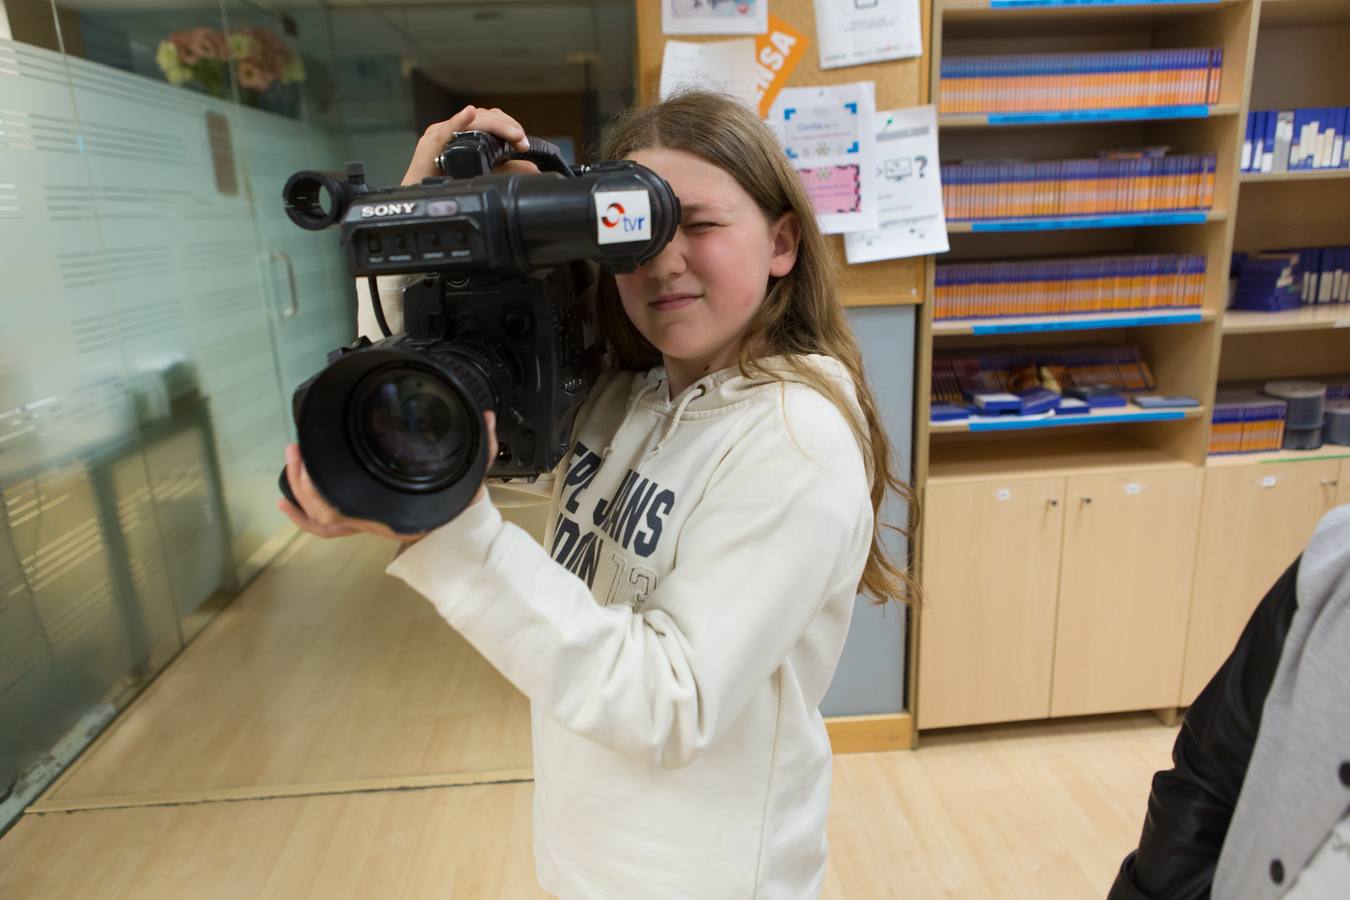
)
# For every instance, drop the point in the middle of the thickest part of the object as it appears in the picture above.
(201, 58)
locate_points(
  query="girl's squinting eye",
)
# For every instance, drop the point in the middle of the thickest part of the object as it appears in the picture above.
(699, 226)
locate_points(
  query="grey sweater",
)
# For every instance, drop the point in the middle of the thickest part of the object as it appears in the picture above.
(1297, 785)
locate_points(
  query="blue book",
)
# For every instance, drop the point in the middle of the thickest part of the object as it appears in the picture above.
(1247, 143)
(1268, 142)
(1038, 400)
(1259, 141)
(1333, 159)
(948, 412)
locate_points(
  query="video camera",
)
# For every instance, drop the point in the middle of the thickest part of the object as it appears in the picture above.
(500, 320)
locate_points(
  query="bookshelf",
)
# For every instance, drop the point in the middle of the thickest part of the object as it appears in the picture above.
(1087, 502)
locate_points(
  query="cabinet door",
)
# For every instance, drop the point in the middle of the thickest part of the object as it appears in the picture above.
(1125, 584)
(1343, 484)
(1256, 520)
(990, 566)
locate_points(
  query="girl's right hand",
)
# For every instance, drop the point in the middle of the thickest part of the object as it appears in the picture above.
(470, 118)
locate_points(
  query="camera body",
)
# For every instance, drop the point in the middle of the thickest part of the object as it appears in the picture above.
(502, 319)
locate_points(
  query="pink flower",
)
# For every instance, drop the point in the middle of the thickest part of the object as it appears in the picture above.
(187, 55)
(253, 77)
(208, 43)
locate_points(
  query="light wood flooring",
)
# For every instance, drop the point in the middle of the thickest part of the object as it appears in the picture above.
(328, 737)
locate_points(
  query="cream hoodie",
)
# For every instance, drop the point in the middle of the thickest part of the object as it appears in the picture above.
(675, 633)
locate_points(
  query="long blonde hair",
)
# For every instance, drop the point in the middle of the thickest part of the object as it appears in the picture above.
(801, 314)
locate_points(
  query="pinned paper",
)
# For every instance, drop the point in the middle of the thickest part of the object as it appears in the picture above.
(827, 133)
(727, 67)
(855, 32)
(777, 53)
(910, 219)
(714, 16)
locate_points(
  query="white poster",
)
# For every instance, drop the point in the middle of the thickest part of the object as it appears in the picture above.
(714, 16)
(727, 67)
(827, 133)
(854, 32)
(911, 221)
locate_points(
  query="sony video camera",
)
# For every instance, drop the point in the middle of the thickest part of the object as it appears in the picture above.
(500, 320)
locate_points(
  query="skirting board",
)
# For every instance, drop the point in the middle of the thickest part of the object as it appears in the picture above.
(871, 734)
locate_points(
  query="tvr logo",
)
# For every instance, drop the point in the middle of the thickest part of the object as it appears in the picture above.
(387, 209)
(622, 216)
(614, 215)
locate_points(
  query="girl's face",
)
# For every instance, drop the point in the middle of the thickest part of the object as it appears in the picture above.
(694, 300)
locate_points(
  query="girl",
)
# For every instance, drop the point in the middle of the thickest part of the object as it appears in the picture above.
(708, 534)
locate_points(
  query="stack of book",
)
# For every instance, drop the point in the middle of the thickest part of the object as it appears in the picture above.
(1284, 279)
(1268, 282)
(1048, 287)
(1126, 182)
(1068, 81)
(1246, 421)
(1293, 140)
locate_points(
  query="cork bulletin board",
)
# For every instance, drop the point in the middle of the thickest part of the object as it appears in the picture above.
(900, 83)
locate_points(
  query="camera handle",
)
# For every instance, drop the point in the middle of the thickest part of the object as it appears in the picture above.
(469, 154)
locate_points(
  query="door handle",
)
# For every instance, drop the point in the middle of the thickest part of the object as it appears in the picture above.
(294, 307)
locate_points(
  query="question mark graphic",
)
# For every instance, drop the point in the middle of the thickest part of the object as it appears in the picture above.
(923, 164)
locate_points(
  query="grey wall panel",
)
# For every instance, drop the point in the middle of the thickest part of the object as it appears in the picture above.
(871, 675)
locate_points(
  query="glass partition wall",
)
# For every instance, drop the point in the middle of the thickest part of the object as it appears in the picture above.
(160, 309)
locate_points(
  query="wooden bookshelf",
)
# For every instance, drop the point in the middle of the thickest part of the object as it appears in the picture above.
(1005, 325)
(1081, 480)
(1301, 175)
(1326, 451)
(1306, 318)
(1090, 116)
(1120, 416)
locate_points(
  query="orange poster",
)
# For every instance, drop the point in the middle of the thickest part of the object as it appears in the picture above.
(777, 52)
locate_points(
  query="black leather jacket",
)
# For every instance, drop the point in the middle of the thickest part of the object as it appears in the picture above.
(1191, 804)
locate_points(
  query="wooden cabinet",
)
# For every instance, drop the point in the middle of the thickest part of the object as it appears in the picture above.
(991, 564)
(1343, 487)
(1124, 591)
(1256, 519)
(1055, 596)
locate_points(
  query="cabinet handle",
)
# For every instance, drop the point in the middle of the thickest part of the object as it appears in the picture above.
(1086, 501)
(1330, 482)
(1052, 503)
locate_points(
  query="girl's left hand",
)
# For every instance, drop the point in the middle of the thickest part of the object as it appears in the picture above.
(317, 516)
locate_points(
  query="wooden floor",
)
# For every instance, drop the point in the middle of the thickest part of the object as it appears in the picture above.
(328, 737)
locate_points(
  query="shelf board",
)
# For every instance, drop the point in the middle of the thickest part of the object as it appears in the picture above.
(1328, 451)
(983, 9)
(1300, 175)
(1117, 416)
(1306, 318)
(1085, 322)
(1087, 116)
(1066, 223)
(1303, 13)
(1032, 455)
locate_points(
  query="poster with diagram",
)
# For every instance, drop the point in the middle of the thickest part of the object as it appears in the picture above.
(827, 133)
(911, 221)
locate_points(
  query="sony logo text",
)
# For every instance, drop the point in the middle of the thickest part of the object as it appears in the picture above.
(387, 209)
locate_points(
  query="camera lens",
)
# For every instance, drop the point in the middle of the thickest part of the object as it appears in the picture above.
(413, 428)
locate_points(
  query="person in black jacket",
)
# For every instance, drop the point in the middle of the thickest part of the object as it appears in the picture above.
(1257, 799)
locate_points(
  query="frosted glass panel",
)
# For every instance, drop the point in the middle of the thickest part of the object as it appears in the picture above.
(86, 601)
(179, 282)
